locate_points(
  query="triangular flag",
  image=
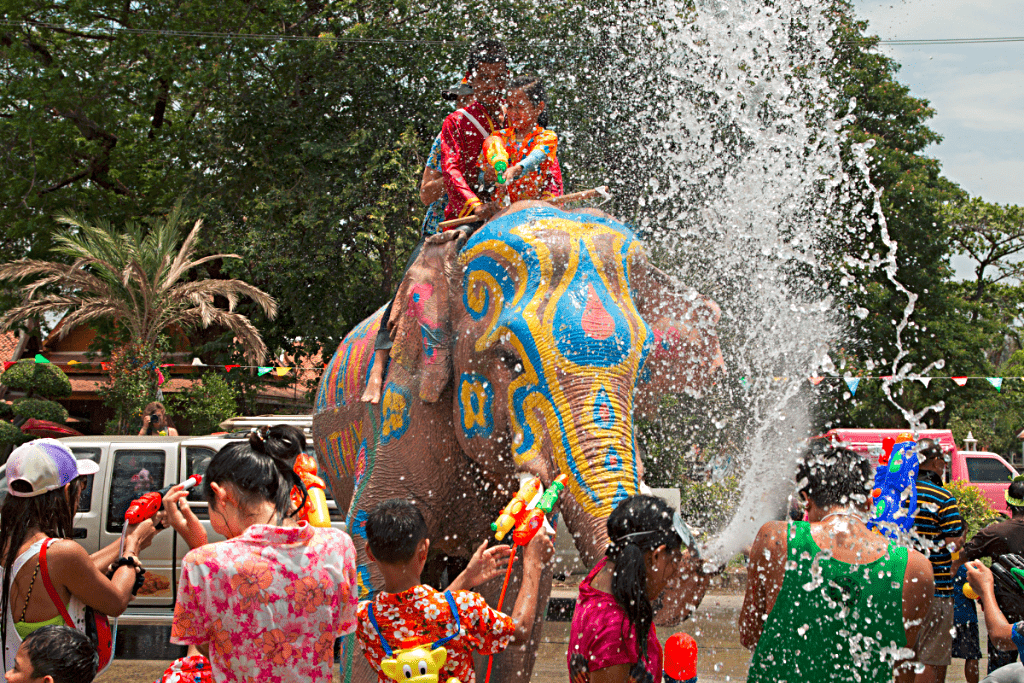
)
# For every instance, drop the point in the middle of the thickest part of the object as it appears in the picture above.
(8, 363)
(960, 381)
(72, 362)
(229, 368)
(262, 370)
(196, 361)
(281, 372)
(887, 378)
(853, 383)
(743, 382)
(105, 367)
(167, 365)
(925, 381)
(40, 358)
(997, 382)
(815, 380)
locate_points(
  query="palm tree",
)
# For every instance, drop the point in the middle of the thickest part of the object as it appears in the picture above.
(136, 279)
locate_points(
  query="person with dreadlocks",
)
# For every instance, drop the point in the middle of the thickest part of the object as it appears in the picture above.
(612, 637)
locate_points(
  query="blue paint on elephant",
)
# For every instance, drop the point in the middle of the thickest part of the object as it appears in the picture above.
(612, 461)
(604, 411)
(620, 495)
(592, 329)
(395, 403)
(357, 527)
(475, 399)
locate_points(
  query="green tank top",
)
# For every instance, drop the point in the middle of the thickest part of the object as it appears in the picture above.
(832, 621)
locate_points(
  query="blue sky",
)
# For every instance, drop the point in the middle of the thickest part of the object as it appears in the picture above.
(977, 90)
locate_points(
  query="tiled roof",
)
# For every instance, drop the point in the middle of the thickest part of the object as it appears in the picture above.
(8, 345)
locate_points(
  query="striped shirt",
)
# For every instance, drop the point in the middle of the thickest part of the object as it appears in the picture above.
(937, 518)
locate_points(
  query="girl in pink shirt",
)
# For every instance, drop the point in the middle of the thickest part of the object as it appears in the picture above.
(612, 639)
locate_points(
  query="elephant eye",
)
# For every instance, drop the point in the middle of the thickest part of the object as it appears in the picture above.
(511, 361)
(407, 670)
(423, 668)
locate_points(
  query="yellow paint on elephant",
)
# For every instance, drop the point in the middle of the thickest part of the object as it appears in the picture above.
(539, 407)
(475, 400)
(394, 412)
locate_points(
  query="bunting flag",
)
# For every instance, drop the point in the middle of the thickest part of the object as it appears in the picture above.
(960, 381)
(8, 363)
(924, 380)
(229, 368)
(852, 383)
(997, 382)
(815, 379)
(196, 361)
(263, 369)
(72, 362)
(105, 367)
(40, 358)
(281, 372)
(743, 382)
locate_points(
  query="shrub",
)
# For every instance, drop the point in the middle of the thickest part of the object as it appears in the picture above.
(11, 436)
(708, 505)
(974, 507)
(205, 404)
(40, 409)
(42, 379)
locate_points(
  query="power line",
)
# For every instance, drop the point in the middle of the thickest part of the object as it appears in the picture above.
(275, 37)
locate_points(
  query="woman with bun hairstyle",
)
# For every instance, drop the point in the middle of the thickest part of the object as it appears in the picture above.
(269, 602)
(612, 638)
(44, 484)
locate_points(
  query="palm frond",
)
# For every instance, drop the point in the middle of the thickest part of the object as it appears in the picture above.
(245, 333)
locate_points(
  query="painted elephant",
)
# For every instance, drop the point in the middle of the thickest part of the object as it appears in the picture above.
(522, 349)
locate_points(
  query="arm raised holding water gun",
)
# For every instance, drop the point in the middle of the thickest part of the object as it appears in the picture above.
(982, 580)
(180, 515)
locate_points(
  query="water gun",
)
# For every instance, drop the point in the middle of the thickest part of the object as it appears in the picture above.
(497, 156)
(534, 519)
(147, 505)
(417, 664)
(517, 508)
(680, 659)
(315, 509)
(1008, 571)
(895, 479)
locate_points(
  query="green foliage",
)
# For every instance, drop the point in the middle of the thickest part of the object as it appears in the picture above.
(11, 436)
(133, 384)
(40, 409)
(974, 507)
(5, 410)
(204, 405)
(40, 379)
(709, 505)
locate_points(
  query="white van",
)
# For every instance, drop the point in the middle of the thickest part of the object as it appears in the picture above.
(129, 467)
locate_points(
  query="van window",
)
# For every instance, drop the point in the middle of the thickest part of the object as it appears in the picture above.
(135, 472)
(987, 471)
(197, 459)
(85, 504)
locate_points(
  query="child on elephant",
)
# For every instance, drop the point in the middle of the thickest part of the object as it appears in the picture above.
(533, 171)
(408, 612)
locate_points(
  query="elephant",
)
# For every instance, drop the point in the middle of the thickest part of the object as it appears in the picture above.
(525, 348)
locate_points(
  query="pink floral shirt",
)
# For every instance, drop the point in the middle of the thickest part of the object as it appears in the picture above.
(269, 602)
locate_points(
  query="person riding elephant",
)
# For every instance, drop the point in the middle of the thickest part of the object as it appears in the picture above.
(522, 350)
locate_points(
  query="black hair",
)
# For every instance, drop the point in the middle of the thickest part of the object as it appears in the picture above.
(52, 513)
(638, 524)
(832, 476)
(260, 468)
(1016, 490)
(64, 653)
(487, 51)
(534, 88)
(930, 449)
(394, 530)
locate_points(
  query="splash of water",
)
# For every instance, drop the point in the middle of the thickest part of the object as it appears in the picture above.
(745, 182)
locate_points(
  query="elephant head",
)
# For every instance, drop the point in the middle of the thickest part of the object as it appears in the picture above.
(546, 325)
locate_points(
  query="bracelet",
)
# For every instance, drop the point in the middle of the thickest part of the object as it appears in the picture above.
(133, 562)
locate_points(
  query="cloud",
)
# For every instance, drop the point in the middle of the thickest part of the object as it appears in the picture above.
(987, 102)
(919, 19)
(980, 174)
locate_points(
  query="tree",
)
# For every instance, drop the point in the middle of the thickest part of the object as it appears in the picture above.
(135, 280)
(204, 405)
(40, 382)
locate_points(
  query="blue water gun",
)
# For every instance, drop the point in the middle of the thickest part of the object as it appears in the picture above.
(895, 479)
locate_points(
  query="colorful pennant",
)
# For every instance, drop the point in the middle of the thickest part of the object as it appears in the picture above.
(960, 381)
(997, 382)
(852, 383)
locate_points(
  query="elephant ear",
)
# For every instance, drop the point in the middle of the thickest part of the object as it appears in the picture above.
(686, 355)
(420, 322)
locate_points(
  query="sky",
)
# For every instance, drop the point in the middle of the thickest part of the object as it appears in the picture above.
(976, 90)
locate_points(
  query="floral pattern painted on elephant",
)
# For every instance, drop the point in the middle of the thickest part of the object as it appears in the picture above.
(570, 319)
(475, 399)
(394, 412)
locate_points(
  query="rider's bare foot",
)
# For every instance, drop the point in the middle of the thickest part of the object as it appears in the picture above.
(371, 394)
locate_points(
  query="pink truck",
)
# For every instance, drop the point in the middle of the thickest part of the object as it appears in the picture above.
(988, 471)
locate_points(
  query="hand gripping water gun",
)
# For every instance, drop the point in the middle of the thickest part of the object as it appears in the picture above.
(315, 509)
(147, 505)
(895, 479)
(526, 512)
(1007, 571)
(680, 659)
(494, 152)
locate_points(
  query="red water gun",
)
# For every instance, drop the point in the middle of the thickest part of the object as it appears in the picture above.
(147, 505)
(315, 509)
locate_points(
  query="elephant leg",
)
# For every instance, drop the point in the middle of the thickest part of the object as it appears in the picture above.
(515, 664)
(354, 667)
